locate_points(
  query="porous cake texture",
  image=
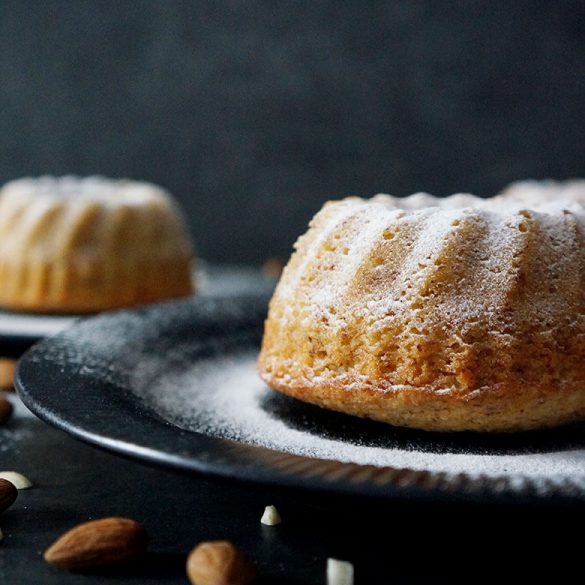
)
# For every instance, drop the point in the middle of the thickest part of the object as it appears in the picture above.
(73, 245)
(444, 314)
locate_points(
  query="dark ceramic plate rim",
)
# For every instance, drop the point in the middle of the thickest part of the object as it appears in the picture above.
(119, 423)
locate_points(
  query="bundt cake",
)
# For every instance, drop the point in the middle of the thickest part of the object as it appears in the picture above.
(73, 245)
(443, 314)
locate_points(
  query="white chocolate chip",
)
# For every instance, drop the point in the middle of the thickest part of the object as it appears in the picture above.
(271, 517)
(19, 481)
(339, 572)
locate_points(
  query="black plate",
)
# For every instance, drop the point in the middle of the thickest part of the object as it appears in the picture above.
(19, 331)
(175, 385)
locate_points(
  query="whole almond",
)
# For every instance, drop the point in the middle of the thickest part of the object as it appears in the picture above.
(5, 410)
(8, 494)
(98, 544)
(219, 562)
(7, 367)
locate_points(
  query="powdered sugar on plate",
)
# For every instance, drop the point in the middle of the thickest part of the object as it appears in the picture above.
(192, 363)
(223, 397)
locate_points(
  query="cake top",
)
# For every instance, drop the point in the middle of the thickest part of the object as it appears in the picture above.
(458, 259)
(41, 215)
(95, 189)
(531, 195)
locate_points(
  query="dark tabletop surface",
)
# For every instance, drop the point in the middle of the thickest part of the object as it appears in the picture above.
(388, 542)
(402, 542)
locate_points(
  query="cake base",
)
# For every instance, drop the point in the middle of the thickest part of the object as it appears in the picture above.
(492, 409)
(69, 287)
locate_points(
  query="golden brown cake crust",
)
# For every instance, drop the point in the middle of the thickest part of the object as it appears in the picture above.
(75, 245)
(493, 410)
(65, 287)
(466, 315)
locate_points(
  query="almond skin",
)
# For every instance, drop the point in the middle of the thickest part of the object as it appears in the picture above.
(219, 562)
(8, 494)
(98, 544)
(5, 410)
(7, 367)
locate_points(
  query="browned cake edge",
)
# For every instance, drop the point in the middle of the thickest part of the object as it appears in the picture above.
(68, 287)
(495, 409)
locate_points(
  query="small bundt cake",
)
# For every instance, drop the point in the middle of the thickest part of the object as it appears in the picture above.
(71, 245)
(447, 314)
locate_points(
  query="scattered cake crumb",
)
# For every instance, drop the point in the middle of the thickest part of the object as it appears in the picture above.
(271, 517)
(339, 572)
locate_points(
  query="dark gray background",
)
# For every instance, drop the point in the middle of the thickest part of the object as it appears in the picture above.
(254, 113)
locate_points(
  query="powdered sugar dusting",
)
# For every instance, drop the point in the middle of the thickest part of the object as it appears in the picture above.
(94, 188)
(202, 381)
(224, 398)
(426, 292)
(433, 224)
